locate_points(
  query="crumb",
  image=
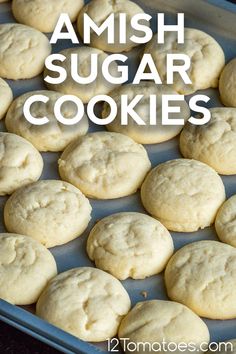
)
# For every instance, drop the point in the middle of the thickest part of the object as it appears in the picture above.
(144, 294)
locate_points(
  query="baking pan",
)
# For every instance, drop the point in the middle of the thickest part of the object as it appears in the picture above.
(216, 17)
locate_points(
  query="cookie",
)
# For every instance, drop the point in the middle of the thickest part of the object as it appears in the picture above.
(206, 55)
(52, 212)
(104, 165)
(213, 143)
(85, 302)
(98, 11)
(20, 163)
(202, 276)
(184, 195)
(225, 223)
(227, 85)
(23, 51)
(53, 136)
(85, 92)
(25, 266)
(160, 322)
(43, 14)
(130, 245)
(6, 97)
(146, 134)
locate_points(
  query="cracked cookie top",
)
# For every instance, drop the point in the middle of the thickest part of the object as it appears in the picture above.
(20, 163)
(202, 276)
(85, 302)
(213, 143)
(53, 212)
(159, 321)
(25, 267)
(23, 51)
(184, 195)
(105, 165)
(130, 245)
(206, 56)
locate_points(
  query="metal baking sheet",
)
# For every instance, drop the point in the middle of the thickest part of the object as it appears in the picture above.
(216, 17)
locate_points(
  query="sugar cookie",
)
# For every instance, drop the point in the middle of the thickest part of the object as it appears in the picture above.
(43, 14)
(20, 163)
(227, 85)
(85, 302)
(160, 322)
(213, 143)
(98, 11)
(23, 51)
(6, 97)
(100, 86)
(202, 276)
(225, 223)
(206, 55)
(53, 136)
(184, 195)
(25, 266)
(148, 134)
(130, 245)
(53, 212)
(105, 165)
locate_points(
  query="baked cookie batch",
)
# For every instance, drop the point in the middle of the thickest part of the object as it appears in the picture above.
(181, 195)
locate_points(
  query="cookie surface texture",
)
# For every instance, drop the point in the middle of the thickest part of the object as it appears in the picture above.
(130, 245)
(225, 223)
(98, 11)
(206, 56)
(6, 97)
(52, 136)
(20, 163)
(146, 134)
(105, 165)
(53, 212)
(213, 143)
(184, 195)
(23, 51)
(227, 84)
(43, 14)
(26, 266)
(85, 302)
(202, 276)
(158, 321)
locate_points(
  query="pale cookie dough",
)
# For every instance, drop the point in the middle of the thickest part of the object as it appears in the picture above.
(23, 51)
(158, 321)
(146, 134)
(25, 266)
(226, 347)
(213, 143)
(53, 212)
(85, 302)
(130, 245)
(225, 223)
(227, 84)
(202, 276)
(53, 136)
(98, 11)
(6, 97)
(44, 14)
(100, 86)
(20, 163)
(105, 165)
(184, 195)
(206, 55)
